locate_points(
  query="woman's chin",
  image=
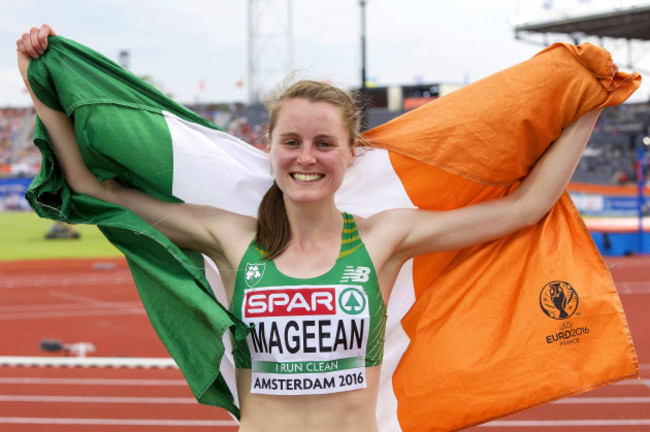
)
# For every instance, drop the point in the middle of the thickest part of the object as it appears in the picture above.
(307, 197)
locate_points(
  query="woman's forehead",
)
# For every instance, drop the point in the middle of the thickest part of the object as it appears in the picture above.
(301, 115)
(307, 106)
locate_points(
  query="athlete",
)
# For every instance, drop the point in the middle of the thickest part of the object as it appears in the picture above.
(276, 267)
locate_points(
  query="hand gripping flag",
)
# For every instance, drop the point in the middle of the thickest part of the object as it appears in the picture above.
(472, 334)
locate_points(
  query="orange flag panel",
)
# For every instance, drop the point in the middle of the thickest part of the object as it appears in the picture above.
(528, 318)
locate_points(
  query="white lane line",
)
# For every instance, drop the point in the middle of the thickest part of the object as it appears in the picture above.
(187, 400)
(94, 381)
(80, 306)
(90, 301)
(116, 422)
(92, 307)
(633, 287)
(102, 362)
(566, 423)
(99, 399)
(604, 400)
(183, 383)
(16, 282)
(634, 382)
(634, 291)
(60, 306)
(70, 313)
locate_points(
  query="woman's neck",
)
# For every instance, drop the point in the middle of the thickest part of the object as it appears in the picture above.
(312, 224)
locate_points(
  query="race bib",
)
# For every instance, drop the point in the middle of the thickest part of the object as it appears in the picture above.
(307, 339)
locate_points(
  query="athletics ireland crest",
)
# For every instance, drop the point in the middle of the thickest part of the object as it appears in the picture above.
(254, 273)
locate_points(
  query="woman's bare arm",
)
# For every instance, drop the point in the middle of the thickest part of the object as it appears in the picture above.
(192, 226)
(418, 232)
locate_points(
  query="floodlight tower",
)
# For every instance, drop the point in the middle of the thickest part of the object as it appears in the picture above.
(364, 80)
(270, 46)
(124, 57)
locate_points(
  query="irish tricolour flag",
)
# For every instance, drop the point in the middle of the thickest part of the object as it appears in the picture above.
(472, 334)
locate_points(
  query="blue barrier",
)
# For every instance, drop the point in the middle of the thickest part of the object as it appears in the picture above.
(620, 244)
(12, 197)
(608, 205)
(12, 193)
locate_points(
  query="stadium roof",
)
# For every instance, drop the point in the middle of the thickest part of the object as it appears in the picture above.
(629, 23)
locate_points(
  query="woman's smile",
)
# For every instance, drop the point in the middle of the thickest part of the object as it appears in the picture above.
(310, 150)
(306, 178)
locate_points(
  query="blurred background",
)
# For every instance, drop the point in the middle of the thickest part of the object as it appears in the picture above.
(222, 58)
(66, 292)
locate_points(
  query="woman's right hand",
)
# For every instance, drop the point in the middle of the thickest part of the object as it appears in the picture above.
(32, 45)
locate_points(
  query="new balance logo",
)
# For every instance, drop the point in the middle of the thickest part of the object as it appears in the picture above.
(352, 274)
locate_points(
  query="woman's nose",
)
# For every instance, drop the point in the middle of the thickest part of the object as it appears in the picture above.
(306, 156)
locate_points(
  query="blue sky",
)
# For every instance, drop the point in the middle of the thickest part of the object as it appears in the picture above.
(181, 43)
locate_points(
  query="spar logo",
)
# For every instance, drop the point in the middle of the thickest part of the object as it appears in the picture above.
(290, 302)
(352, 301)
(558, 300)
(254, 273)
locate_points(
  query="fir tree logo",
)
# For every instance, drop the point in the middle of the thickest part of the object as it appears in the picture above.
(254, 273)
(352, 301)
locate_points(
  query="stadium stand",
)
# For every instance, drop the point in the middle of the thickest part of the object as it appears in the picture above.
(18, 157)
(610, 157)
(245, 122)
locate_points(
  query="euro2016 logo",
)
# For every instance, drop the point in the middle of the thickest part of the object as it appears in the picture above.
(558, 300)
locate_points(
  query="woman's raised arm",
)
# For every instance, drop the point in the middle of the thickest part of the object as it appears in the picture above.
(191, 226)
(418, 232)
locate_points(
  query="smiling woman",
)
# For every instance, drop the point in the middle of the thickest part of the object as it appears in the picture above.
(309, 147)
(317, 131)
(315, 294)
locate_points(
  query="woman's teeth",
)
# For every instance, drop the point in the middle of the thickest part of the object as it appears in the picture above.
(306, 177)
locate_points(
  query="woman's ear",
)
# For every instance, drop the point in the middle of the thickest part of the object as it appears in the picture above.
(353, 151)
(268, 143)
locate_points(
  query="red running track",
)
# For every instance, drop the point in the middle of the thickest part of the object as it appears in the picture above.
(96, 301)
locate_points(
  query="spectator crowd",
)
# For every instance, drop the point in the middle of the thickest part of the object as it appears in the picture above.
(611, 154)
(18, 155)
(610, 157)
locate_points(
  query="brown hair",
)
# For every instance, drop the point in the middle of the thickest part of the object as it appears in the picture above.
(273, 230)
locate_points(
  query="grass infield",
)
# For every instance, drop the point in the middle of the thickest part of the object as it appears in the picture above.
(22, 236)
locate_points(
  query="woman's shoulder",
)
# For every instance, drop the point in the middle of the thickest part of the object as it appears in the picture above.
(238, 228)
(233, 232)
(383, 220)
(384, 228)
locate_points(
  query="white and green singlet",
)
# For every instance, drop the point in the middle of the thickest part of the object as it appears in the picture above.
(315, 335)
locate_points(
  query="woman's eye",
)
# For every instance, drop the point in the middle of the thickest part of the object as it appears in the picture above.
(324, 144)
(291, 143)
